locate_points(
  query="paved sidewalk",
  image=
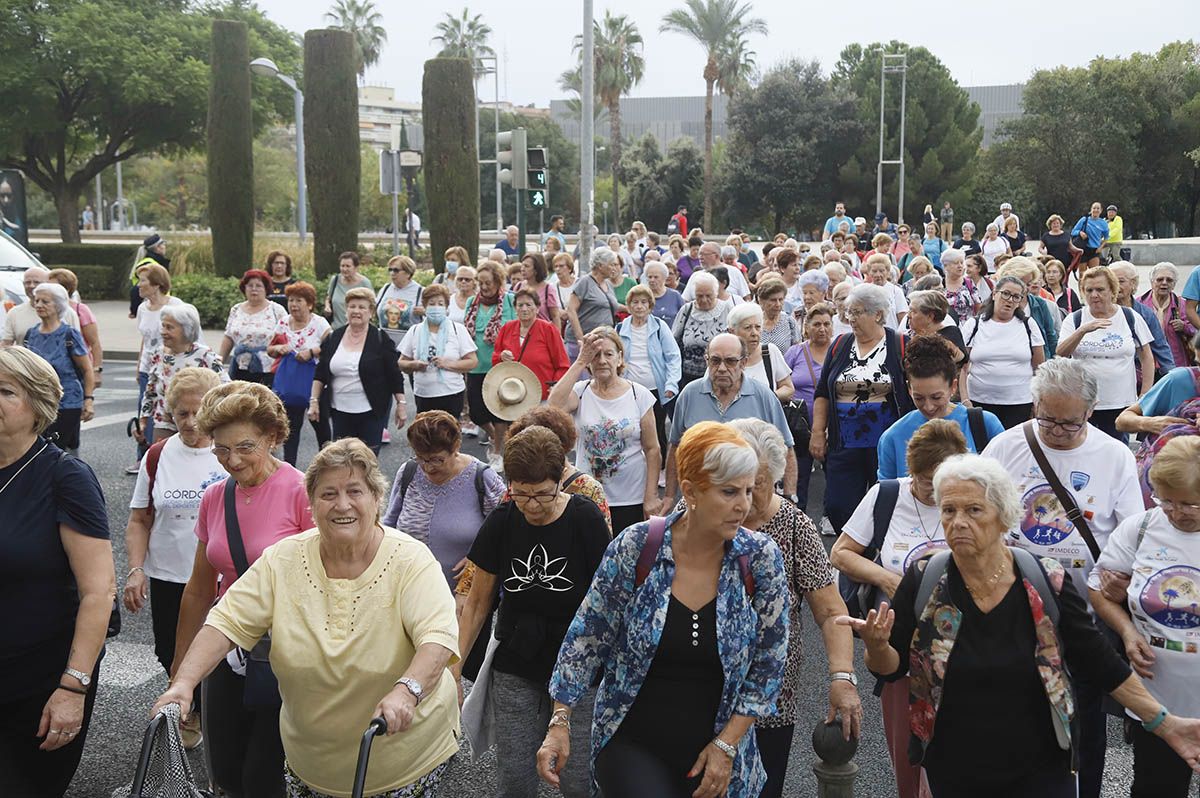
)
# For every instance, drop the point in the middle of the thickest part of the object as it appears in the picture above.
(119, 335)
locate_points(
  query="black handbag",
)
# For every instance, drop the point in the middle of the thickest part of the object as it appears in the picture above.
(795, 411)
(261, 690)
(1081, 240)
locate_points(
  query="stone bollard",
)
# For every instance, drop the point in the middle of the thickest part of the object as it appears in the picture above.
(834, 769)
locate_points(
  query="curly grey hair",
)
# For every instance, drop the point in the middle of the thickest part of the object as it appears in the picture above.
(1064, 376)
(871, 298)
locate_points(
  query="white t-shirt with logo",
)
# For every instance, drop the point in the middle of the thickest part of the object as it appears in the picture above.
(1001, 359)
(1109, 354)
(609, 444)
(915, 530)
(1164, 599)
(183, 474)
(439, 382)
(1102, 477)
(779, 368)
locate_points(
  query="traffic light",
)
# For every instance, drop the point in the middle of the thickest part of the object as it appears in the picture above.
(511, 157)
(538, 180)
(538, 198)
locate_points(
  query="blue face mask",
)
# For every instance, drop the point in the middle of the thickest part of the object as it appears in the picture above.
(436, 314)
(451, 266)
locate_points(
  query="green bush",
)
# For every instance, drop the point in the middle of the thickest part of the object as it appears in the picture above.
(230, 147)
(213, 296)
(111, 255)
(100, 282)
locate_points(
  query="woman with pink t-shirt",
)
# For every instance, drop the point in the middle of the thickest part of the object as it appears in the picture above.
(267, 497)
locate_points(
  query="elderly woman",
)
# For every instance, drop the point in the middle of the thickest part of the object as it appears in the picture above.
(652, 355)
(1056, 242)
(764, 361)
(88, 327)
(266, 497)
(698, 322)
(1005, 349)
(1168, 307)
(533, 341)
(250, 329)
(453, 259)
(438, 352)
(1055, 275)
(1151, 551)
(63, 348)
(58, 584)
(913, 270)
(960, 291)
(360, 367)
(371, 658)
(1108, 338)
(814, 287)
(347, 279)
(398, 305)
(985, 609)
(463, 289)
(160, 536)
(593, 303)
(544, 547)
(296, 348)
(928, 312)
(890, 530)
(877, 269)
(534, 273)
(181, 346)
(933, 246)
(862, 391)
(154, 287)
(652, 614)
(806, 359)
(667, 301)
(967, 243)
(808, 577)
(279, 266)
(615, 424)
(488, 311)
(783, 330)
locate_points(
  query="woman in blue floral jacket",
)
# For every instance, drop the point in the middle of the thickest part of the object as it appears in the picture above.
(693, 608)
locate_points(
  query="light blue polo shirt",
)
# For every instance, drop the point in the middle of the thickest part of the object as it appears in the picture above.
(696, 403)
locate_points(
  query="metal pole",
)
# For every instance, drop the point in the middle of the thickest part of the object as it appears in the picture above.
(520, 223)
(395, 223)
(408, 212)
(99, 205)
(903, 92)
(879, 174)
(120, 199)
(587, 137)
(301, 183)
(496, 120)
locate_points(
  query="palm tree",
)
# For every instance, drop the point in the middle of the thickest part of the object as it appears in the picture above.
(360, 18)
(735, 67)
(718, 26)
(619, 67)
(464, 36)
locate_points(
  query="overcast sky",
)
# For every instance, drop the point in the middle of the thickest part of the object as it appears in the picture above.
(981, 43)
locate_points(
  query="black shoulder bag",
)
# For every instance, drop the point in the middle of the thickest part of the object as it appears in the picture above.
(261, 691)
(794, 410)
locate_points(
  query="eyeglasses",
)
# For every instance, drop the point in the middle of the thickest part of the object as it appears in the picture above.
(1168, 504)
(1065, 426)
(243, 449)
(539, 498)
(728, 362)
(464, 279)
(393, 271)
(430, 461)
(1010, 296)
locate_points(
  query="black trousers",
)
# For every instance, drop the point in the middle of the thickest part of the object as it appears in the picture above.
(1010, 415)
(261, 377)
(626, 516)
(480, 415)
(626, 770)
(804, 471)
(165, 598)
(247, 754)
(1158, 772)
(25, 771)
(1106, 422)
(367, 427)
(452, 403)
(296, 415)
(774, 748)
(1053, 783)
(65, 429)
(1093, 737)
(660, 426)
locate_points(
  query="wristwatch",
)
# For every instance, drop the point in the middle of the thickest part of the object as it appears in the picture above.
(84, 678)
(844, 676)
(413, 686)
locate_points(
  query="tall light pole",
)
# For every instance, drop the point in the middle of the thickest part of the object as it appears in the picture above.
(587, 137)
(267, 69)
(891, 64)
(495, 70)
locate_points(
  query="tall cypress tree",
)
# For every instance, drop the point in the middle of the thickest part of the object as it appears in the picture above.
(230, 149)
(451, 159)
(332, 158)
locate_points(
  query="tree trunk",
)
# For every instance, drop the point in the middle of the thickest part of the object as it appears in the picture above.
(67, 205)
(614, 143)
(708, 148)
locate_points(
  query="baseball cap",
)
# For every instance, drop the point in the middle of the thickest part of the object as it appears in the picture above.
(1006, 206)
(859, 220)
(879, 217)
(1111, 208)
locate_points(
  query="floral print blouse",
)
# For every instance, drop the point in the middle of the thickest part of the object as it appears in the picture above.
(251, 333)
(163, 366)
(618, 627)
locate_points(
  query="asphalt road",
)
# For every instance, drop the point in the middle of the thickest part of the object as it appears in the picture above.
(131, 677)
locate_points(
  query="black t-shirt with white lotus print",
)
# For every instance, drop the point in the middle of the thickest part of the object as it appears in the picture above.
(543, 572)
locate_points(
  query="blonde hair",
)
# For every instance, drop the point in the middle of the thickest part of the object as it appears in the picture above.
(37, 379)
(361, 293)
(239, 401)
(612, 335)
(403, 262)
(348, 453)
(192, 379)
(1175, 467)
(1101, 273)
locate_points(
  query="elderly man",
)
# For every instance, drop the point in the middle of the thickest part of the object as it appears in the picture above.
(1095, 483)
(1006, 213)
(22, 317)
(724, 394)
(1127, 283)
(511, 245)
(710, 258)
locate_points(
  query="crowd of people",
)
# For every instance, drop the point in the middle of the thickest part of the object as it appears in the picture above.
(610, 595)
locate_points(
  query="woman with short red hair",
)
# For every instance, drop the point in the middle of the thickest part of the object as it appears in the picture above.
(248, 332)
(296, 348)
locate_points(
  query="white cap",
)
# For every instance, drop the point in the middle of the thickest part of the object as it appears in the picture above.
(1006, 206)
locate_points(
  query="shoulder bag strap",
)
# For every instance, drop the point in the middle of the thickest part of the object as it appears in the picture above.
(574, 475)
(406, 477)
(527, 337)
(978, 426)
(1028, 568)
(1130, 319)
(233, 530)
(481, 486)
(766, 356)
(650, 548)
(812, 375)
(1061, 493)
(885, 506)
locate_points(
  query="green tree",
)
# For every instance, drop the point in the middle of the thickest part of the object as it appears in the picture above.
(230, 149)
(656, 184)
(717, 25)
(736, 66)
(941, 136)
(375, 209)
(451, 161)
(363, 20)
(332, 161)
(464, 36)
(619, 67)
(792, 133)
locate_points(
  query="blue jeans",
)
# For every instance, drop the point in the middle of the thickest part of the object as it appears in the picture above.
(148, 432)
(849, 474)
(367, 427)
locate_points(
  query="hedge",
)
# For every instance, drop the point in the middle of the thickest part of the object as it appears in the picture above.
(451, 157)
(86, 254)
(230, 148)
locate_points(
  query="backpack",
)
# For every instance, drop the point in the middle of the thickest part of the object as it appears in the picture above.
(673, 226)
(1077, 318)
(153, 454)
(979, 433)
(653, 544)
(1152, 445)
(979, 322)
(860, 597)
(410, 470)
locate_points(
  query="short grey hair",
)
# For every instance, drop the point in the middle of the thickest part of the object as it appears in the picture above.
(956, 255)
(969, 226)
(602, 257)
(929, 301)
(710, 246)
(929, 282)
(836, 268)
(1123, 266)
(187, 317)
(728, 252)
(815, 277)
(705, 279)
(1064, 376)
(37, 379)
(766, 441)
(744, 312)
(58, 294)
(727, 461)
(997, 484)
(656, 265)
(1165, 266)
(872, 298)
(993, 226)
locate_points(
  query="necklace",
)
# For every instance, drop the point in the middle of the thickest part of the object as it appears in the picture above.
(22, 468)
(921, 519)
(989, 584)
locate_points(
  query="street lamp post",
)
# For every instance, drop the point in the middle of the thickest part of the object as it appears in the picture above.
(267, 68)
(495, 70)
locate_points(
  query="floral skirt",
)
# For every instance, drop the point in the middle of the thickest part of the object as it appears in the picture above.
(424, 787)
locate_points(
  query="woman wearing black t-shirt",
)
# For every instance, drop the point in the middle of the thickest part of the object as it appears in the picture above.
(967, 242)
(1057, 244)
(543, 546)
(279, 266)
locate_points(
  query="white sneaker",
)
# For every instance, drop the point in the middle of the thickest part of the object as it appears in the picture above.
(827, 528)
(387, 436)
(469, 430)
(133, 469)
(496, 461)
(662, 479)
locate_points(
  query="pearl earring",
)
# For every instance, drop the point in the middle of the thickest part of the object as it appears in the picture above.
(693, 508)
